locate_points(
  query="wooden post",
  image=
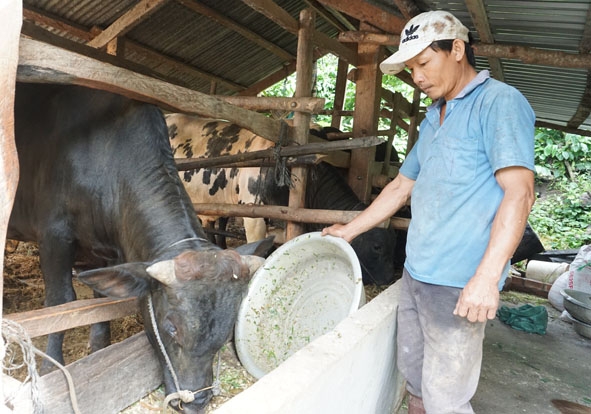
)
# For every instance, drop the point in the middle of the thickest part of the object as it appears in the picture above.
(369, 82)
(11, 17)
(339, 94)
(415, 120)
(297, 195)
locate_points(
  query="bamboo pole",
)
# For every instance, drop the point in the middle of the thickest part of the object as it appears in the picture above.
(304, 68)
(311, 148)
(265, 103)
(300, 215)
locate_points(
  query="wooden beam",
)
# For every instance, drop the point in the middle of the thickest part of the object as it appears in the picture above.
(383, 39)
(534, 56)
(404, 107)
(58, 23)
(285, 151)
(265, 103)
(408, 8)
(285, 213)
(73, 314)
(584, 108)
(530, 55)
(322, 11)
(106, 381)
(480, 19)
(310, 159)
(231, 24)
(366, 12)
(344, 20)
(277, 14)
(301, 120)
(339, 94)
(367, 103)
(127, 21)
(39, 62)
(584, 132)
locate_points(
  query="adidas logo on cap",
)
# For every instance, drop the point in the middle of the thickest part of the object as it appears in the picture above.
(410, 33)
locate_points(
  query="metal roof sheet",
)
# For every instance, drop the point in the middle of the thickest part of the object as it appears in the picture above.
(200, 44)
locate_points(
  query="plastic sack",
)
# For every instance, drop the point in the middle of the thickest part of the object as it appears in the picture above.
(579, 275)
(554, 296)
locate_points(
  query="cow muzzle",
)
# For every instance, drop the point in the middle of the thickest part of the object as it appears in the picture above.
(188, 402)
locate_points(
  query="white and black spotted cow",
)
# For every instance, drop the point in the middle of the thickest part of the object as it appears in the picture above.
(194, 137)
(99, 183)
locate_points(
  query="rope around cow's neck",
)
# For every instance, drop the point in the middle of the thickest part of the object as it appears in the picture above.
(185, 396)
(187, 239)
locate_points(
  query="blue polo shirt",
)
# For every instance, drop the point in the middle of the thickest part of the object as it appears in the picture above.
(488, 126)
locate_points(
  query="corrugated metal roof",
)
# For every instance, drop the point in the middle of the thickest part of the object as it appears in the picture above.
(554, 93)
(188, 44)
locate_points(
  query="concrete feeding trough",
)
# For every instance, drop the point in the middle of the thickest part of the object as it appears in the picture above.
(349, 370)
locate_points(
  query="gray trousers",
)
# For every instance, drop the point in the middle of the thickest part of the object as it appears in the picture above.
(439, 354)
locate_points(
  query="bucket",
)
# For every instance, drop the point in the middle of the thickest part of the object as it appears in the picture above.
(302, 291)
(546, 272)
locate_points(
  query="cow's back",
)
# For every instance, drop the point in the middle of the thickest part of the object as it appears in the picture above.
(85, 157)
(193, 137)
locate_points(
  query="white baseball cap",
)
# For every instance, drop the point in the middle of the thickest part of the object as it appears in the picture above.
(419, 33)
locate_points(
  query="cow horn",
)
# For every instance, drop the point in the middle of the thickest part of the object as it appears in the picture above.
(163, 272)
(253, 263)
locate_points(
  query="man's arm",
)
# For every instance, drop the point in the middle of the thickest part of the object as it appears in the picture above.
(389, 201)
(479, 299)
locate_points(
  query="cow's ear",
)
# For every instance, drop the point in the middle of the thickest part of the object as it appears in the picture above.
(121, 281)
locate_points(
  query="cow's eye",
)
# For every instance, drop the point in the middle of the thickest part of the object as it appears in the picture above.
(170, 329)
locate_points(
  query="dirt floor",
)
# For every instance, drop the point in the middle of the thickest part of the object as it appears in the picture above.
(521, 372)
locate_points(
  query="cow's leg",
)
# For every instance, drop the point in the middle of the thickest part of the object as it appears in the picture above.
(221, 238)
(56, 257)
(210, 225)
(255, 229)
(100, 333)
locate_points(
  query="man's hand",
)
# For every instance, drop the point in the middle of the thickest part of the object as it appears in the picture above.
(337, 230)
(478, 300)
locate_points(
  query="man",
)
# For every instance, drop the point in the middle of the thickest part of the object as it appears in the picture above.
(471, 180)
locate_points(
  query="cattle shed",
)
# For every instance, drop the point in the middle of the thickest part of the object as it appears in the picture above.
(213, 58)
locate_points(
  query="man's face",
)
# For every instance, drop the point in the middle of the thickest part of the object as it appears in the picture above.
(436, 73)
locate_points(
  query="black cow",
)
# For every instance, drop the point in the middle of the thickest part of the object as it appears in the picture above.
(327, 189)
(99, 184)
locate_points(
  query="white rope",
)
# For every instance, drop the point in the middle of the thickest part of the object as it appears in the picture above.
(14, 333)
(187, 239)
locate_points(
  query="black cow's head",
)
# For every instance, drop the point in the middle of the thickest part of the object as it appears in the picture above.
(375, 250)
(195, 299)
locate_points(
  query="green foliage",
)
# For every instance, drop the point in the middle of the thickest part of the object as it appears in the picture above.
(561, 218)
(556, 151)
(326, 76)
(326, 73)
